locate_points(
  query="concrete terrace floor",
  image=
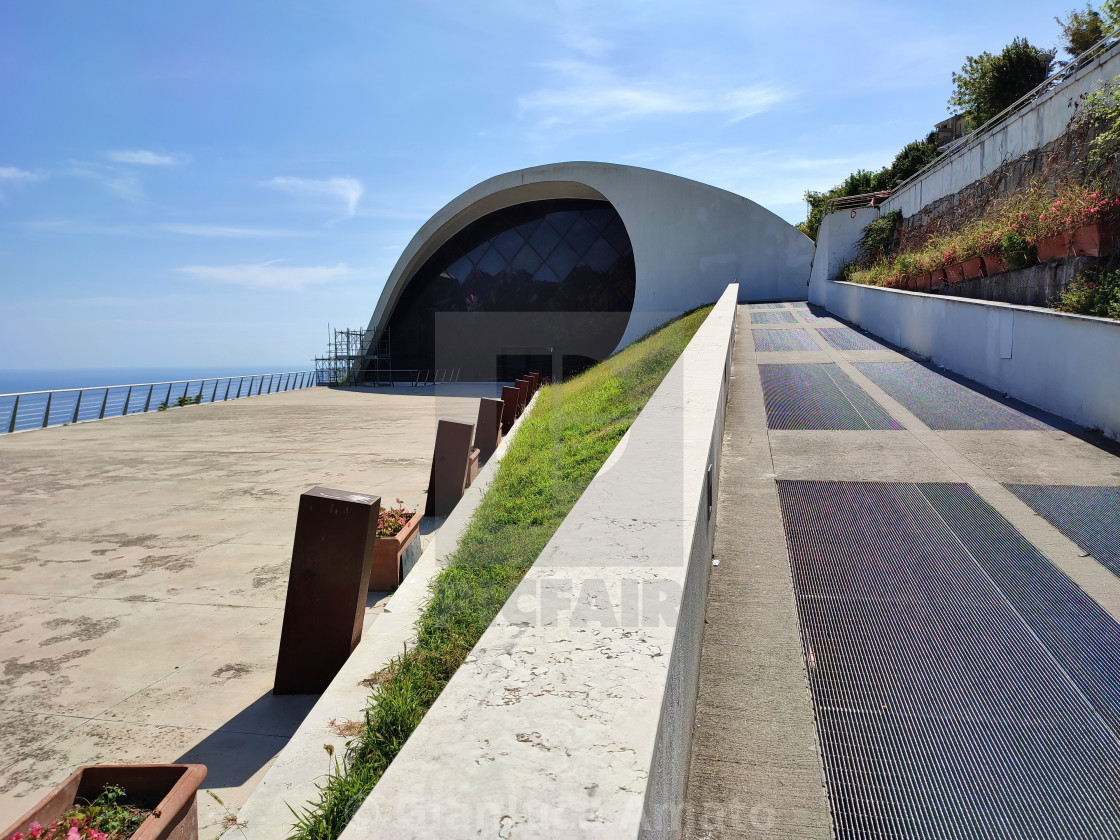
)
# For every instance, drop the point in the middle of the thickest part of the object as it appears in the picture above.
(143, 569)
(756, 767)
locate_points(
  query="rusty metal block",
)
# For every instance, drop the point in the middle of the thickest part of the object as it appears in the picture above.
(326, 601)
(488, 429)
(450, 464)
(523, 394)
(510, 398)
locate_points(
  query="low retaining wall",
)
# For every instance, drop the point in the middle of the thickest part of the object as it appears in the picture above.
(573, 714)
(1038, 285)
(294, 776)
(1064, 364)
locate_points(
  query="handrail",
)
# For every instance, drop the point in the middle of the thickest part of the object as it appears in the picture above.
(65, 406)
(843, 202)
(1068, 70)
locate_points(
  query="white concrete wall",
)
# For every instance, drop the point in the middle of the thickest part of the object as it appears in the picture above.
(690, 240)
(1031, 128)
(1065, 364)
(572, 716)
(837, 243)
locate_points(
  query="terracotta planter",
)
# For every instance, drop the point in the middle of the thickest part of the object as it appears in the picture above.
(994, 264)
(937, 278)
(954, 274)
(921, 282)
(973, 268)
(171, 788)
(1054, 247)
(1098, 239)
(385, 571)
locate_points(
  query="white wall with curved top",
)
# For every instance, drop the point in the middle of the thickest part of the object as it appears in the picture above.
(690, 240)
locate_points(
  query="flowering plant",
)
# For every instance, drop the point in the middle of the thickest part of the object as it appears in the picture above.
(1073, 207)
(103, 819)
(392, 520)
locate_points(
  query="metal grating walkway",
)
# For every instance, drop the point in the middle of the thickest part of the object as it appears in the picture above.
(818, 396)
(783, 317)
(845, 338)
(940, 402)
(771, 341)
(1090, 516)
(963, 686)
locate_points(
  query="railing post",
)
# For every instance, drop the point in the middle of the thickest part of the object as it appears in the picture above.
(148, 401)
(229, 384)
(104, 403)
(127, 399)
(77, 405)
(47, 411)
(260, 385)
(167, 401)
(15, 411)
(214, 393)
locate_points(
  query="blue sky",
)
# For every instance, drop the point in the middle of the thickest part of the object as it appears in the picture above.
(212, 183)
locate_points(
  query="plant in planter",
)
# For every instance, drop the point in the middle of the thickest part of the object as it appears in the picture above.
(396, 529)
(117, 802)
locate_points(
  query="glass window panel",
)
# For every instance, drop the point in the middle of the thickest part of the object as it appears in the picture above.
(460, 269)
(599, 218)
(508, 243)
(544, 239)
(492, 263)
(580, 235)
(562, 220)
(601, 256)
(529, 228)
(615, 233)
(546, 275)
(476, 254)
(526, 260)
(562, 259)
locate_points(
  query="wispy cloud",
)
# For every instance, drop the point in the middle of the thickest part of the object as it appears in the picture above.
(229, 232)
(347, 190)
(11, 176)
(595, 95)
(272, 275)
(121, 184)
(143, 157)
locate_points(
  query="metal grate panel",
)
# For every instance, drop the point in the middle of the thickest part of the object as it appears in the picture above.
(818, 396)
(1090, 516)
(943, 655)
(942, 403)
(845, 338)
(770, 341)
(757, 307)
(783, 317)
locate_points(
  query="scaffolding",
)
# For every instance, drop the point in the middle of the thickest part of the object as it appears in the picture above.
(350, 360)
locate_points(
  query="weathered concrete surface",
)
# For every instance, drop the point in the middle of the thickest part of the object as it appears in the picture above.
(755, 769)
(143, 566)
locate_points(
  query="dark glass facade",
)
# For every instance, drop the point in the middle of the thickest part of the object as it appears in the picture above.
(547, 261)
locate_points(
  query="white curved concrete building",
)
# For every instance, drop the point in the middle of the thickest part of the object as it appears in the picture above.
(571, 261)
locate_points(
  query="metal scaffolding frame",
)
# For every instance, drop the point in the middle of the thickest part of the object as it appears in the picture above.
(350, 360)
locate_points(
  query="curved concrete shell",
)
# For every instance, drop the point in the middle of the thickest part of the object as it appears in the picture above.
(689, 239)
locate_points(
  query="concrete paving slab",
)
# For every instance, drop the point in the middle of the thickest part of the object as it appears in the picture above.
(1047, 457)
(143, 568)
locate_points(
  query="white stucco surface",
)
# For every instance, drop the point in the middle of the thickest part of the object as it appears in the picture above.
(690, 240)
(1031, 128)
(573, 713)
(837, 243)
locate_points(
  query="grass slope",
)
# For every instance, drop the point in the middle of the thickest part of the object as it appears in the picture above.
(559, 448)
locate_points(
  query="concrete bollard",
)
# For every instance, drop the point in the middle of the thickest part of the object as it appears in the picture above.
(488, 428)
(450, 466)
(325, 606)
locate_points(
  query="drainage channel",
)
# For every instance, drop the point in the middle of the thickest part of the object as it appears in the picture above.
(963, 686)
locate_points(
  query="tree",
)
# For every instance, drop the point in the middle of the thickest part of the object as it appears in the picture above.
(989, 83)
(1110, 13)
(1080, 30)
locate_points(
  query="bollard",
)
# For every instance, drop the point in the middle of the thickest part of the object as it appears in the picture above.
(534, 383)
(488, 428)
(522, 394)
(450, 463)
(510, 396)
(327, 585)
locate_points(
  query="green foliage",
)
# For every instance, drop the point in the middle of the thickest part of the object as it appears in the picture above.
(1095, 293)
(989, 83)
(1080, 30)
(1017, 252)
(1110, 12)
(912, 158)
(559, 448)
(185, 400)
(878, 237)
(1102, 109)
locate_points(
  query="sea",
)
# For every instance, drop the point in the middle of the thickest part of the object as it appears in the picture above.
(22, 381)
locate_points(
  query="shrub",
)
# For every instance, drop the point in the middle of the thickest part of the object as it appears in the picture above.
(987, 84)
(1095, 293)
(878, 237)
(1017, 252)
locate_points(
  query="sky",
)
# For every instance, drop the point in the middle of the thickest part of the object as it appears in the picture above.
(200, 183)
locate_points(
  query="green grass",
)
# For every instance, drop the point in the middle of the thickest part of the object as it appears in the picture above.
(559, 448)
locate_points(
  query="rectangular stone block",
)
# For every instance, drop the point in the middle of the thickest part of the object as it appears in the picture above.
(327, 584)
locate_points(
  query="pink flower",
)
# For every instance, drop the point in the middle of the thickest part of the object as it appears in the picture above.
(73, 834)
(34, 830)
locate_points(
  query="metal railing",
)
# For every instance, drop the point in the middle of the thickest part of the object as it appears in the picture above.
(39, 409)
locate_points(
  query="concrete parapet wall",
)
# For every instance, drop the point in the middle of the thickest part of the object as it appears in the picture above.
(1064, 364)
(1034, 126)
(573, 714)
